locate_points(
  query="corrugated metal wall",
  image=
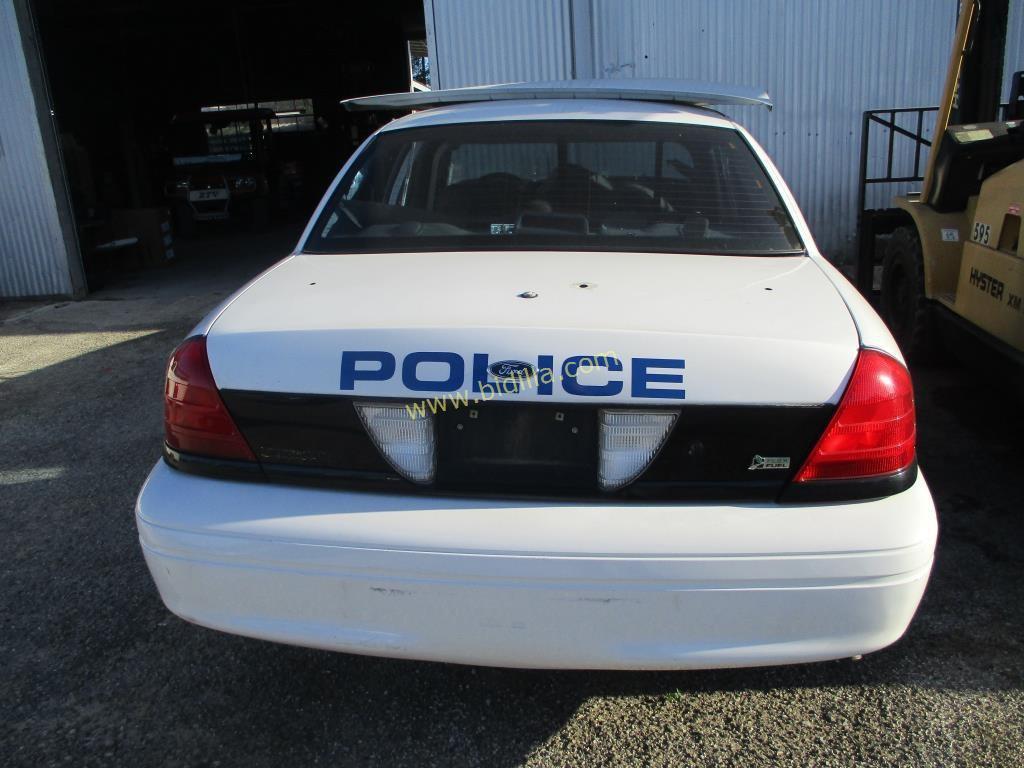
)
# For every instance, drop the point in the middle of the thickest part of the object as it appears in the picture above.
(823, 61)
(491, 41)
(33, 256)
(1014, 44)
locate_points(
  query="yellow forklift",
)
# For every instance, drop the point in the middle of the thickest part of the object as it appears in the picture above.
(951, 259)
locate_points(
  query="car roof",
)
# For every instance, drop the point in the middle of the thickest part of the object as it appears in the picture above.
(575, 109)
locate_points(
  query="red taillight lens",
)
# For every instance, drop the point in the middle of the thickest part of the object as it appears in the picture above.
(873, 430)
(195, 419)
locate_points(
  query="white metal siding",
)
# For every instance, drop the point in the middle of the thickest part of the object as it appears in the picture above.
(1014, 44)
(33, 257)
(823, 61)
(495, 41)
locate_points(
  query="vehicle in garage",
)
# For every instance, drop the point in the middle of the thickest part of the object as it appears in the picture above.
(555, 377)
(222, 167)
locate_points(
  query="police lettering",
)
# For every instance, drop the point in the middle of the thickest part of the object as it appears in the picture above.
(434, 371)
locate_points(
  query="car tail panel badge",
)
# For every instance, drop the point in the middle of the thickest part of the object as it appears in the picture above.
(769, 462)
(512, 369)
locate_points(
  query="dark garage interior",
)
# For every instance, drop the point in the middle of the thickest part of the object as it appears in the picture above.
(185, 121)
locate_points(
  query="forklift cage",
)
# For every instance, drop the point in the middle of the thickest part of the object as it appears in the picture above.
(881, 221)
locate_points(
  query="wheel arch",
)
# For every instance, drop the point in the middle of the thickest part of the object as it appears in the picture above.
(940, 252)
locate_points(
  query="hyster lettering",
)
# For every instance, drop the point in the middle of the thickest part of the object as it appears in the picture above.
(991, 285)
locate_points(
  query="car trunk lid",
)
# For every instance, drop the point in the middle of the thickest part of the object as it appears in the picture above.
(750, 354)
(747, 330)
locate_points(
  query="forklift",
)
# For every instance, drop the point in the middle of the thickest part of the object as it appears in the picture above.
(952, 265)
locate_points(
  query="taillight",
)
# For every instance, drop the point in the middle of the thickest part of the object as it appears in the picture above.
(873, 430)
(195, 419)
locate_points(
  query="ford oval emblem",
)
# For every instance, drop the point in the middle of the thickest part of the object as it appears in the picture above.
(512, 369)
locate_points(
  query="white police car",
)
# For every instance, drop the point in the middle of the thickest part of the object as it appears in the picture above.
(555, 377)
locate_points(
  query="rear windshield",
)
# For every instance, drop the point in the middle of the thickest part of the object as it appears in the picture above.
(559, 185)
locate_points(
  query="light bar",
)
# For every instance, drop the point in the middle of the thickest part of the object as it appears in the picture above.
(629, 441)
(406, 442)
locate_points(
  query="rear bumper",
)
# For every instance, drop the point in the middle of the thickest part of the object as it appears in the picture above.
(526, 584)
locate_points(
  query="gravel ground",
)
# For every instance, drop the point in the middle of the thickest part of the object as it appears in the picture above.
(96, 672)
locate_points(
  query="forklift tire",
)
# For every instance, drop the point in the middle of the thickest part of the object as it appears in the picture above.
(905, 308)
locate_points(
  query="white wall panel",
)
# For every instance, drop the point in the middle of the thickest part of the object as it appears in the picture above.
(33, 255)
(495, 41)
(1014, 44)
(823, 61)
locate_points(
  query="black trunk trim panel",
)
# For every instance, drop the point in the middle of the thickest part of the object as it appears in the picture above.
(305, 431)
(528, 450)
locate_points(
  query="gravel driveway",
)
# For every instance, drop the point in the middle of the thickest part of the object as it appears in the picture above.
(96, 672)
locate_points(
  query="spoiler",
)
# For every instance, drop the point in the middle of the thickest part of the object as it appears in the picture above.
(662, 91)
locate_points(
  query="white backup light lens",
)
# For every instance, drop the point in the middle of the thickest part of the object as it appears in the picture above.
(629, 441)
(406, 442)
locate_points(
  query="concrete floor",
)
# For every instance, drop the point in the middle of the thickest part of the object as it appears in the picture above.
(96, 672)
